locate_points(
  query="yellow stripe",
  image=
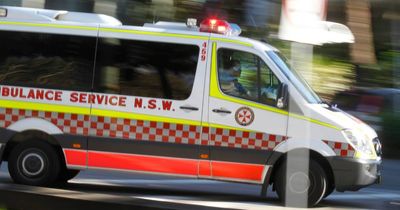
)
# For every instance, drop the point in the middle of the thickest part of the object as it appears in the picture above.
(217, 93)
(232, 41)
(151, 33)
(214, 89)
(44, 107)
(313, 121)
(138, 32)
(48, 25)
(125, 115)
(86, 111)
(213, 125)
(103, 113)
(135, 116)
(104, 29)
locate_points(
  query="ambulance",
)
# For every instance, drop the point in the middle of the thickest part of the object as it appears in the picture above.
(82, 91)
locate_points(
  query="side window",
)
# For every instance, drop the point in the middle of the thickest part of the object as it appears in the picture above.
(46, 60)
(148, 69)
(269, 85)
(245, 75)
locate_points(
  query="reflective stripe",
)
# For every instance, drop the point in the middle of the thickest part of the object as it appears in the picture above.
(104, 29)
(152, 33)
(86, 111)
(217, 93)
(214, 89)
(43, 107)
(137, 162)
(138, 32)
(239, 171)
(232, 41)
(75, 157)
(166, 165)
(144, 130)
(129, 115)
(49, 25)
(340, 148)
(214, 125)
(314, 121)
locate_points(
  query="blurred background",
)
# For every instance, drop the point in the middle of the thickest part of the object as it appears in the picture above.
(362, 78)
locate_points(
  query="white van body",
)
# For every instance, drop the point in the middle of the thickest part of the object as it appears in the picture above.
(204, 131)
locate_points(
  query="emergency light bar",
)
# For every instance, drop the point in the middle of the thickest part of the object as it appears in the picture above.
(213, 25)
(3, 12)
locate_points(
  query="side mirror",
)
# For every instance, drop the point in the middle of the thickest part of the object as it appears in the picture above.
(283, 96)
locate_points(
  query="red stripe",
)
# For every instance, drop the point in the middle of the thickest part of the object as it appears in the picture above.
(204, 168)
(143, 163)
(237, 171)
(228, 170)
(75, 157)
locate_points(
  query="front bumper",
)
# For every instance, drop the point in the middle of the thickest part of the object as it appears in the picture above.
(353, 174)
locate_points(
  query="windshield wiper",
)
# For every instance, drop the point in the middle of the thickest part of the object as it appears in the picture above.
(332, 107)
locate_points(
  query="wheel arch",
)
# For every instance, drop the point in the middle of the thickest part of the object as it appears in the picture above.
(35, 124)
(277, 159)
(32, 135)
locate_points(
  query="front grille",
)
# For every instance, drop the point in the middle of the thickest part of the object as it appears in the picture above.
(377, 146)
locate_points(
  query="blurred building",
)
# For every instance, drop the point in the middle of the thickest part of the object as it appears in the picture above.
(373, 59)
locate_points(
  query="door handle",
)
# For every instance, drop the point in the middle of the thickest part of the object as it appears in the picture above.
(191, 108)
(222, 111)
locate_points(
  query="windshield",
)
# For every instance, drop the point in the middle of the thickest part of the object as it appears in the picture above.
(298, 81)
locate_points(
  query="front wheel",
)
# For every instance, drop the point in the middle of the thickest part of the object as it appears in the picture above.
(297, 188)
(34, 163)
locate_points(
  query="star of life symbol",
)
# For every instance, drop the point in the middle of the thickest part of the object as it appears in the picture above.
(244, 116)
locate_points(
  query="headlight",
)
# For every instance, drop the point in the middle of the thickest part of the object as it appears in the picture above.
(358, 141)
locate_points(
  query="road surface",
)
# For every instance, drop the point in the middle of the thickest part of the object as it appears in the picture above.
(98, 189)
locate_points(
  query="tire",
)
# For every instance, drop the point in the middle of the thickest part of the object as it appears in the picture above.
(34, 163)
(304, 190)
(66, 175)
(329, 190)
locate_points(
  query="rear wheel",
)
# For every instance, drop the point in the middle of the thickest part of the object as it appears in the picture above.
(297, 188)
(34, 163)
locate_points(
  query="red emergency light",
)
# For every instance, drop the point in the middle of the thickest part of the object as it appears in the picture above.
(213, 25)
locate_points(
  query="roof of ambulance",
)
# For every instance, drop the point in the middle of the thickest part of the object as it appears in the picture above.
(205, 35)
(78, 19)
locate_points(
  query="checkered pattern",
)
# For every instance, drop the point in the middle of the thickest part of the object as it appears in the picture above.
(68, 123)
(243, 139)
(146, 130)
(341, 149)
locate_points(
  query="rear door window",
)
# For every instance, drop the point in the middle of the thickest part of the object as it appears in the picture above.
(147, 69)
(46, 60)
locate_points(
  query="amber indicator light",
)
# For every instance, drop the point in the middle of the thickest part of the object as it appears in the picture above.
(204, 156)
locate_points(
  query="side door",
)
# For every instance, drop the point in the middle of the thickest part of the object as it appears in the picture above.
(45, 65)
(244, 123)
(147, 103)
